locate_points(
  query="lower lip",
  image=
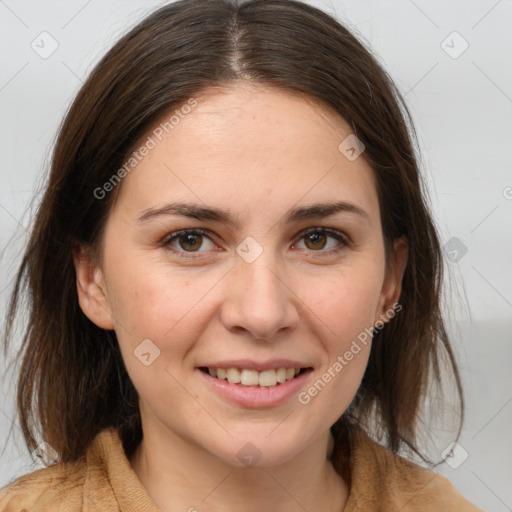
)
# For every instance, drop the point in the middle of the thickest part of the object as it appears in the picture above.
(256, 397)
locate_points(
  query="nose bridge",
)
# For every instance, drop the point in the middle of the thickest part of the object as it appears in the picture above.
(258, 299)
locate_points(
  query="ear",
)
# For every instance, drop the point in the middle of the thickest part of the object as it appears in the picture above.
(392, 285)
(91, 289)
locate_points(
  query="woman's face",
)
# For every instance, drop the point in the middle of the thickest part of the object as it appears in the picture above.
(252, 293)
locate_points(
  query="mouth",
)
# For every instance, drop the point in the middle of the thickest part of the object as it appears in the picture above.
(245, 377)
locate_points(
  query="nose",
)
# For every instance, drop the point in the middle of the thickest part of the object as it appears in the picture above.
(259, 300)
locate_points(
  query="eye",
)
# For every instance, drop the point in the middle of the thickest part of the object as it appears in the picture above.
(316, 239)
(188, 241)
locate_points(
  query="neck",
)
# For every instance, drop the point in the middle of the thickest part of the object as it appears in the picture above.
(179, 475)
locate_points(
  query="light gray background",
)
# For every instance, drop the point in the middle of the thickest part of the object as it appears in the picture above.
(462, 109)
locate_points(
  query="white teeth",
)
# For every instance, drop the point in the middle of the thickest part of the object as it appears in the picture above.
(246, 377)
(281, 375)
(233, 375)
(267, 378)
(249, 378)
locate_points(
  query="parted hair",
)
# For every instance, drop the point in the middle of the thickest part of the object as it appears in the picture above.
(72, 381)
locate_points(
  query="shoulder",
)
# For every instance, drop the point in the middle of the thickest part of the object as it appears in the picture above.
(58, 487)
(420, 489)
(395, 483)
(86, 484)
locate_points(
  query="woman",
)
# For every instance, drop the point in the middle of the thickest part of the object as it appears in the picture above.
(234, 278)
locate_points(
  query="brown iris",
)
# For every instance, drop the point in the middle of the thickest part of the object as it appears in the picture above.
(186, 241)
(318, 238)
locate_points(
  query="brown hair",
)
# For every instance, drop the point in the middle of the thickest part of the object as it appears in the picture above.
(72, 381)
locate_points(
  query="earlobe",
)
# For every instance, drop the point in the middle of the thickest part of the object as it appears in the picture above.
(91, 289)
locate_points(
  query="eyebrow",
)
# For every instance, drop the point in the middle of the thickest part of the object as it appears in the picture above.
(199, 212)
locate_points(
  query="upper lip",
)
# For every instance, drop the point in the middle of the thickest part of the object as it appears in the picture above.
(260, 366)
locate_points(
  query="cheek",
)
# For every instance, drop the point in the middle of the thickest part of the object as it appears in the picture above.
(345, 301)
(345, 310)
(158, 315)
(146, 298)
(169, 307)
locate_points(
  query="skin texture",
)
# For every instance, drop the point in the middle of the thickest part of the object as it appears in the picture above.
(256, 152)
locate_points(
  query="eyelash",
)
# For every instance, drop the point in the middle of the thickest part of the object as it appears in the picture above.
(166, 242)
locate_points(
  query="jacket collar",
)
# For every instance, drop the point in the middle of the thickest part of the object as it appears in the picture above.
(107, 462)
(378, 479)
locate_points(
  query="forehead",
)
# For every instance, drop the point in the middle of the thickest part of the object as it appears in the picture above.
(248, 146)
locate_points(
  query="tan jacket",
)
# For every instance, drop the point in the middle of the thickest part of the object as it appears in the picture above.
(105, 482)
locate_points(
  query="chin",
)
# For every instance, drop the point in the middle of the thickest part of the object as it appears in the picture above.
(256, 448)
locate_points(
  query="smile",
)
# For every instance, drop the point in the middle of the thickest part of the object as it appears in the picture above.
(249, 377)
(248, 392)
